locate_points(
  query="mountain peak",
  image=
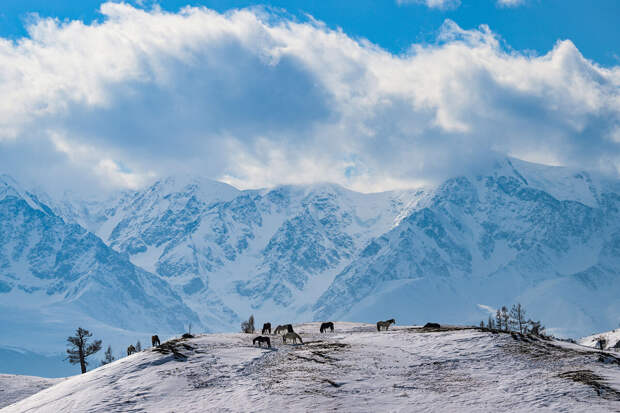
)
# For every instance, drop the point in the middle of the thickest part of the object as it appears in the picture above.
(204, 188)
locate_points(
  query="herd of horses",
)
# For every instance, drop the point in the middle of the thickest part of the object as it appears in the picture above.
(285, 330)
(287, 333)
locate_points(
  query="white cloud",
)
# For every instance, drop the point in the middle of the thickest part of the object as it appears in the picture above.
(510, 3)
(258, 101)
(434, 4)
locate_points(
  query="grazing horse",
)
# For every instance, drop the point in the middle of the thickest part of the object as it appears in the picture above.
(327, 325)
(291, 336)
(385, 324)
(155, 341)
(130, 350)
(266, 327)
(261, 340)
(286, 328)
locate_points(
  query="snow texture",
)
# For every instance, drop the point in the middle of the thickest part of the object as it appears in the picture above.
(14, 388)
(354, 368)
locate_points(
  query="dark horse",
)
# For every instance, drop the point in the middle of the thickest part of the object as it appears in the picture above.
(155, 341)
(130, 350)
(385, 324)
(286, 328)
(261, 340)
(328, 325)
(267, 327)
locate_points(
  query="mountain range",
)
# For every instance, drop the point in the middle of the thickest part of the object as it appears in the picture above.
(187, 250)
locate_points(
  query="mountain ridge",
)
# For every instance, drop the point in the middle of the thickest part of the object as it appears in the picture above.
(548, 237)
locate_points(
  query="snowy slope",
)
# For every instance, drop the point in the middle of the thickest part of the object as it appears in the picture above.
(355, 368)
(14, 388)
(612, 337)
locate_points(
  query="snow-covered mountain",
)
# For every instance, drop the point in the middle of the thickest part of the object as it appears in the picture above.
(547, 237)
(55, 276)
(230, 252)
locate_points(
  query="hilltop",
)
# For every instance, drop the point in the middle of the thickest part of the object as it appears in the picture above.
(352, 369)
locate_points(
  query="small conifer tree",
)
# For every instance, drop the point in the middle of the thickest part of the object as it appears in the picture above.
(80, 349)
(107, 356)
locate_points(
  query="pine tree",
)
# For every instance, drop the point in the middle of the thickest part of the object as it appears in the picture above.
(79, 348)
(517, 317)
(138, 346)
(107, 356)
(505, 318)
(498, 319)
(490, 323)
(482, 324)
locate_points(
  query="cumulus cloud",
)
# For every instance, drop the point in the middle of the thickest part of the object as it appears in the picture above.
(258, 100)
(510, 3)
(435, 4)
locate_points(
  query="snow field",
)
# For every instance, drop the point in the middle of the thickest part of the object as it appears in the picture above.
(355, 368)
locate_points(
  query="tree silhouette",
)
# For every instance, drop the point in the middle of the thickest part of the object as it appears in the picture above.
(79, 348)
(248, 326)
(107, 356)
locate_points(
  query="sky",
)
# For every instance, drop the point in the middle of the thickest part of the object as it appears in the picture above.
(373, 95)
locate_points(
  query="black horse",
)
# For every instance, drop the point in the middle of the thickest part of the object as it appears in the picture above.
(267, 327)
(155, 341)
(328, 325)
(261, 340)
(385, 324)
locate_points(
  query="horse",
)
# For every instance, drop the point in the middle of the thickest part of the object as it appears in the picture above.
(291, 336)
(385, 324)
(288, 328)
(130, 350)
(155, 341)
(261, 340)
(327, 325)
(266, 327)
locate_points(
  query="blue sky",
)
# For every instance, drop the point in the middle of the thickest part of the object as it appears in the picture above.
(532, 25)
(105, 96)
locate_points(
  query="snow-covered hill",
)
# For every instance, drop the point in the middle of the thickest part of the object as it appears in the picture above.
(612, 340)
(14, 388)
(355, 368)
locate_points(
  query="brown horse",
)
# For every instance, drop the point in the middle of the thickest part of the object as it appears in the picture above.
(328, 325)
(155, 341)
(291, 336)
(286, 328)
(267, 327)
(261, 340)
(130, 350)
(385, 324)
